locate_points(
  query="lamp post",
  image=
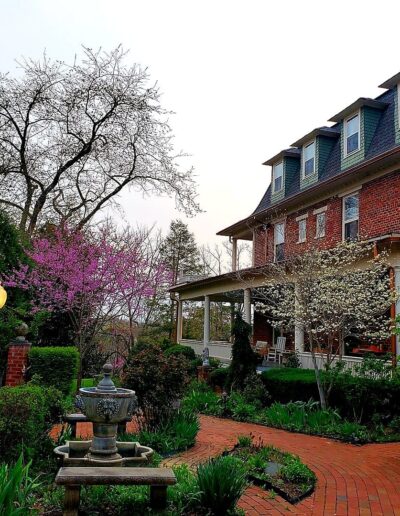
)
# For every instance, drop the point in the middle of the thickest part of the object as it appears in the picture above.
(3, 296)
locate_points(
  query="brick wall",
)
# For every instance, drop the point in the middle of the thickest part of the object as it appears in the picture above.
(379, 215)
(262, 330)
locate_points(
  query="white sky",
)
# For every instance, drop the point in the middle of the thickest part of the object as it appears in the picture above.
(246, 79)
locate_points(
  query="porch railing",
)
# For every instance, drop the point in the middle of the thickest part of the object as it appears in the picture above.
(306, 360)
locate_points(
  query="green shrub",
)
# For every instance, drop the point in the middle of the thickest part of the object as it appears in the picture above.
(290, 384)
(177, 433)
(296, 472)
(255, 392)
(219, 377)
(57, 366)
(16, 489)
(178, 349)
(244, 359)
(221, 483)
(200, 398)
(158, 380)
(27, 413)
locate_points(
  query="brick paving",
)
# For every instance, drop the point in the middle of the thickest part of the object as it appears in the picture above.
(352, 480)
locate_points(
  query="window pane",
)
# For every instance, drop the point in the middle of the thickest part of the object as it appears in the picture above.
(279, 234)
(309, 167)
(302, 230)
(278, 176)
(278, 184)
(320, 229)
(309, 159)
(351, 230)
(351, 207)
(352, 143)
(352, 126)
(280, 252)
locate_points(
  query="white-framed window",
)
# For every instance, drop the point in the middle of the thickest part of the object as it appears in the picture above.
(279, 241)
(277, 177)
(350, 216)
(352, 134)
(320, 223)
(309, 159)
(302, 230)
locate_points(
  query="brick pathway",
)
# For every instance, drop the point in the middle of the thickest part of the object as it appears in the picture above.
(352, 480)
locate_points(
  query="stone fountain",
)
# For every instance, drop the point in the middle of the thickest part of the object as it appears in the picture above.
(105, 406)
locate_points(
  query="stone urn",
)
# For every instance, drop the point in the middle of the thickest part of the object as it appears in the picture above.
(106, 406)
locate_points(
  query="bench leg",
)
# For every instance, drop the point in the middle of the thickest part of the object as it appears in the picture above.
(71, 500)
(158, 497)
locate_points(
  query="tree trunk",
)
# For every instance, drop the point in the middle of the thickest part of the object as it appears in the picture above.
(321, 391)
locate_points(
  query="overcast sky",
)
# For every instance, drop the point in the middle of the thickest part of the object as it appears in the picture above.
(245, 79)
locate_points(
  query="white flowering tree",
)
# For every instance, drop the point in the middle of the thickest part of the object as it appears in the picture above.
(330, 294)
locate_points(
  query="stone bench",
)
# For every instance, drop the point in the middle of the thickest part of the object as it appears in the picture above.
(74, 477)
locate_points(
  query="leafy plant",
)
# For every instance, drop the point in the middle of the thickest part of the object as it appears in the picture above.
(177, 433)
(56, 366)
(16, 489)
(221, 483)
(244, 440)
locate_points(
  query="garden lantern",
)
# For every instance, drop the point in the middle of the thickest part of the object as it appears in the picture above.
(3, 297)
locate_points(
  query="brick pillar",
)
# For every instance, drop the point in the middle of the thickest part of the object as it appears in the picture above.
(17, 361)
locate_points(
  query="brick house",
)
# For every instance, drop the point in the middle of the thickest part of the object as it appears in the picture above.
(334, 183)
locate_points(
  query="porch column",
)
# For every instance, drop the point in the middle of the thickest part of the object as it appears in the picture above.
(247, 305)
(234, 254)
(298, 328)
(179, 322)
(206, 334)
(232, 320)
(397, 305)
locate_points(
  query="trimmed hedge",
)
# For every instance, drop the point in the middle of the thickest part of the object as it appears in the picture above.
(56, 366)
(27, 413)
(219, 377)
(178, 349)
(354, 397)
(287, 384)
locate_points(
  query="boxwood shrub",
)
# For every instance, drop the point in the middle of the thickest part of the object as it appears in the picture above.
(178, 349)
(56, 366)
(27, 413)
(354, 397)
(219, 377)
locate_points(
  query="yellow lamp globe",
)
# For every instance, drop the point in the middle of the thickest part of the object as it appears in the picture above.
(3, 297)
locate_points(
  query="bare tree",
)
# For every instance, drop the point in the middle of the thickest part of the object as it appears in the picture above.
(73, 136)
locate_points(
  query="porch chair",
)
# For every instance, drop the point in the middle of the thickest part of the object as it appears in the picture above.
(275, 352)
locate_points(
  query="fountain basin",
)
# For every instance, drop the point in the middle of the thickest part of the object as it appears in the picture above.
(76, 453)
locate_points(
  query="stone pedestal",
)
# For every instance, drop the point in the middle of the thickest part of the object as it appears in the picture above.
(17, 361)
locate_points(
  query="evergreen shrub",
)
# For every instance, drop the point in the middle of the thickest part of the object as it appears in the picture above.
(27, 413)
(178, 349)
(56, 366)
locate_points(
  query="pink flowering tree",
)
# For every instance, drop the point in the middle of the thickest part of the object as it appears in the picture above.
(95, 278)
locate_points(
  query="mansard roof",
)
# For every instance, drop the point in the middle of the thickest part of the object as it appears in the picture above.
(383, 147)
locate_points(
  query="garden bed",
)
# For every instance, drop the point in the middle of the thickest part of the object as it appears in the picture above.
(274, 469)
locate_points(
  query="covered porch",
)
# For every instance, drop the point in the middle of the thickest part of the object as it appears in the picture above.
(239, 290)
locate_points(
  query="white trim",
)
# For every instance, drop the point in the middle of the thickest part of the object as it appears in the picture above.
(301, 217)
(320, 210)
(343, 212)
(345, 153)
(273, 176)
(350, 191)
(303, 163)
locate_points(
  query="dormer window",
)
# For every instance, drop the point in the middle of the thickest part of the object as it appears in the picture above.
(309, 159)
(352, 134)
(277, 175)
